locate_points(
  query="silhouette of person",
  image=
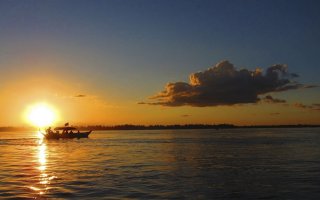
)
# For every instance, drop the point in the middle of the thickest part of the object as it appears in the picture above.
(49, 130)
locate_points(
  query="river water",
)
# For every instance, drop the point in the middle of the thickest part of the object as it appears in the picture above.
(163, 164)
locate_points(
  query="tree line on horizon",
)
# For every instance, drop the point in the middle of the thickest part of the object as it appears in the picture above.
(164, 127)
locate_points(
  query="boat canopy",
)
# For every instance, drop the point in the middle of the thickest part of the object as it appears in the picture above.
(66, 128)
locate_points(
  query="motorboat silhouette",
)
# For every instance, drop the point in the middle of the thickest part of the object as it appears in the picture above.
(67, 132)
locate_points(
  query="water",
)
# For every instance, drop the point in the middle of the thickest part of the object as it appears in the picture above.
(165, 164)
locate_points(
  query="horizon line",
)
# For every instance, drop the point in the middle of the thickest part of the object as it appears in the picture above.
(162, 127)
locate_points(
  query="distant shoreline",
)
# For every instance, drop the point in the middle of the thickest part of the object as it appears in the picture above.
(164, 127)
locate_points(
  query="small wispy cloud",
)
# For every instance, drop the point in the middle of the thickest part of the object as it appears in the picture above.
(315, 106)
(80, 95)
(270, 99)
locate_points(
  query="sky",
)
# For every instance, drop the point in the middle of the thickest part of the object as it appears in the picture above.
(161, 61)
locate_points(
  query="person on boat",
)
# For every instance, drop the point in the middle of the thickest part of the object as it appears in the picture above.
(49, 130)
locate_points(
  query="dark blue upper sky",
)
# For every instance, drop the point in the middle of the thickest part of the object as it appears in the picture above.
(159, 41)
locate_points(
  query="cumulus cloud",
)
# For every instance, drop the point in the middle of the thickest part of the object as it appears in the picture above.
(270, 99)
(223, 84)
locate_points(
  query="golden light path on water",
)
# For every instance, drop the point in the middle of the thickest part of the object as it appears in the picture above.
(44, 179)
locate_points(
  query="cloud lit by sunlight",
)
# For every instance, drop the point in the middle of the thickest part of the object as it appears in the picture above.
(223, 84)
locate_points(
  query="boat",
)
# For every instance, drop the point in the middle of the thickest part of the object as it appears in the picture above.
(67, 132)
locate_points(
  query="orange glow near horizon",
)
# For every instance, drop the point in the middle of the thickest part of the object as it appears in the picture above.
(41, 115)
(42, 103)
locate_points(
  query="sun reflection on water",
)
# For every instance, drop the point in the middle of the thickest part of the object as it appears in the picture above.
(40, 136)
(44, 179)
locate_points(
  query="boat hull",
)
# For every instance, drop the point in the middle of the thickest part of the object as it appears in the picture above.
(67, 135)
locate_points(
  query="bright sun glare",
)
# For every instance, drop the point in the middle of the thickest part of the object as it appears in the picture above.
(41, 115)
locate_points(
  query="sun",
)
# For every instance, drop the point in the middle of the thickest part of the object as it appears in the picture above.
(41, 115)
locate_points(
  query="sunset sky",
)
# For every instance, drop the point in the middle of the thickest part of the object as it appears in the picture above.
(161, 61)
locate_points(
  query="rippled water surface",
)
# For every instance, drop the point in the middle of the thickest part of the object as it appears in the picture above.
(166, 164)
